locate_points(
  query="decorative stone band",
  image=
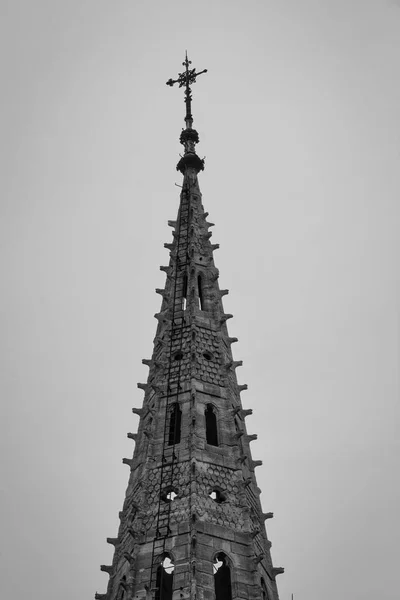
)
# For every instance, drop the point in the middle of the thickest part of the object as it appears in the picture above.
(190, 161)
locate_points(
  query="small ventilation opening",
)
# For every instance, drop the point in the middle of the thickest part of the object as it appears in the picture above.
(222, 578)
(217, 496)
(178, 355)
(169, 495)
(207, 355)
(211, 426)
(165, 579)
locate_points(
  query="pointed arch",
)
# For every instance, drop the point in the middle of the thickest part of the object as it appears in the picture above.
(264, 591)
(184, 291)
(211, 426)
(165, 578)
(222, 577)
(174, 434)
(200, 291)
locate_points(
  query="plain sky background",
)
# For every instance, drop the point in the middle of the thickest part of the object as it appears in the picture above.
(298, 118)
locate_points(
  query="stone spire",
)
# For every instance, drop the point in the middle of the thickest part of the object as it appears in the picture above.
(192, 525)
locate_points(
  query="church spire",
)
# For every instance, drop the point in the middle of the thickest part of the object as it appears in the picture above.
(192, 526)
(189, 136)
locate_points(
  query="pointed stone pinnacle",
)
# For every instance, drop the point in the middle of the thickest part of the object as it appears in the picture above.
(268, 515)
(225, 318)
(256, 463)
(106, 569)
(112, 541)
(233, 364)
(246, 412)
(162, 292)
(167, 271)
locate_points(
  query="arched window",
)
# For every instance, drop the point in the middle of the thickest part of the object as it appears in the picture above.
(184, 291)
(174, 435)
(222, 578)
(165, 579)
(264, 590)
(211, 426)
(200, 291)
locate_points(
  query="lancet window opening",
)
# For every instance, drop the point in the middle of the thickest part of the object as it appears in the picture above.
(222, 577)
(211, 426)
(184, 291)
(176, 332)
(200, 291)
(165, 579)
(175, 419)
(264, 590)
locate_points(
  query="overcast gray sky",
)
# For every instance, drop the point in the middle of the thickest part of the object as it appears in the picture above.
(298, 118)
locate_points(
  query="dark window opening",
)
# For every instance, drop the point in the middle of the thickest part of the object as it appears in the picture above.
(174, 435)
(184, 291)
(207, 355)
(222, 578)
(211, 426)
(200, 291)
(264, 590)
(178, 355)
(165, 579)
(217, 495)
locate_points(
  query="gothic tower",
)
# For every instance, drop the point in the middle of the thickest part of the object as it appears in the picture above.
(192, 525)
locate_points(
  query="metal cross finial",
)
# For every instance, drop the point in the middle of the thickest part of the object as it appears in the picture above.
(186, 79)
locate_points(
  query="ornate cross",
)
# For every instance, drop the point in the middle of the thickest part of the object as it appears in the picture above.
(186, 79)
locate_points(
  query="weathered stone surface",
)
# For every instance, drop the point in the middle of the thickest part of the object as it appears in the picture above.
(192, 491)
